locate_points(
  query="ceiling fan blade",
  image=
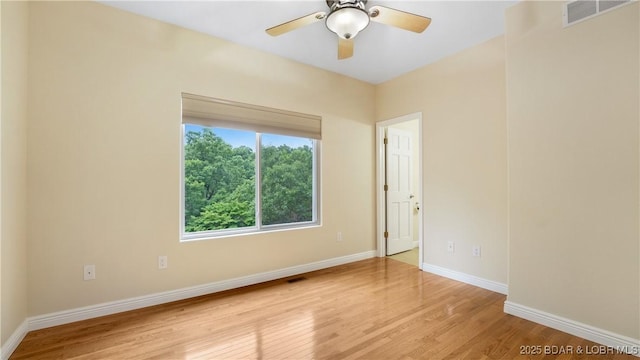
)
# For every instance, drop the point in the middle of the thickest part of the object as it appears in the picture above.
(345, 48)
(297, 23)
(399, 19)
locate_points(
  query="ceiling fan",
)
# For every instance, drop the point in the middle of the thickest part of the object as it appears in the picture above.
(347, 18)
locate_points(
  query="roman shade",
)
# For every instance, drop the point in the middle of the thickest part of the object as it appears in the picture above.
(207, 111)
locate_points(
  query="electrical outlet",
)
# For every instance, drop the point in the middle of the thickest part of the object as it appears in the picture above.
(476, 251)
(162, 262)
(89, 272)
(451, 246)
(339, 236)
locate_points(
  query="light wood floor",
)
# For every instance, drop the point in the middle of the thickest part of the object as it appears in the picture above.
(410, 257)
(372, 309)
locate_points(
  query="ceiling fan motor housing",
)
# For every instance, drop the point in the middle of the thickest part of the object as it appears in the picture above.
(332, 3)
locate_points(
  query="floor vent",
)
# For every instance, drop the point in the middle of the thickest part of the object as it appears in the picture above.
(579, 10)
(300, 278)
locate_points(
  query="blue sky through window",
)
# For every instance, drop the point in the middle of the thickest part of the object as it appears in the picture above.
(237, 138)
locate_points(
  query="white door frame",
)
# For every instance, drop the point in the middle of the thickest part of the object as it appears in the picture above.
(380, 163)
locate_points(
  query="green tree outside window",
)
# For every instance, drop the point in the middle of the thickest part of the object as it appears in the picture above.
(220, 181)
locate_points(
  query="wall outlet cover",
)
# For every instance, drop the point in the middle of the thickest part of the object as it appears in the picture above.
(89, 272)
(163, 262)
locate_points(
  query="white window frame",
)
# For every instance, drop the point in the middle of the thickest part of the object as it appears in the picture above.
(258, 228)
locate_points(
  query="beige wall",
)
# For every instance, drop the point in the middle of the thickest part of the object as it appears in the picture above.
(104, 155)
(413, 126)
(13, 235)
(462, 100)
(573, 165)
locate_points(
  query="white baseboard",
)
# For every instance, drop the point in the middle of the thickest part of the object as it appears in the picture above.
(616, 341)
(466, 278)
(14, 340)
(113, 307)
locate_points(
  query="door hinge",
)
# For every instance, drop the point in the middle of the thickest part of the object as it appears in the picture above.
(386, 234)
(386, 141)
(386, 187)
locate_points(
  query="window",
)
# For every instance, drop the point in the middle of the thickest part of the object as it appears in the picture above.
(239, 179)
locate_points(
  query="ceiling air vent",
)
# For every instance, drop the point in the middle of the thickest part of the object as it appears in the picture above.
(575, 11)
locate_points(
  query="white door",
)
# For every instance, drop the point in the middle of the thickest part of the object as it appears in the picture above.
(399, 196)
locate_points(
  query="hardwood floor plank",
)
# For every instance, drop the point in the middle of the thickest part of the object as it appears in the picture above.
(372, 309)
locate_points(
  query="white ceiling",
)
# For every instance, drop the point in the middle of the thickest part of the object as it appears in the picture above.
(381, 52)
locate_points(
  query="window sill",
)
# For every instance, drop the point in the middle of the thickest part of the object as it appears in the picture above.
(185, 238)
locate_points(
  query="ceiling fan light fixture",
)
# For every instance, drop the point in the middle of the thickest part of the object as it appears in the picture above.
(347, 22)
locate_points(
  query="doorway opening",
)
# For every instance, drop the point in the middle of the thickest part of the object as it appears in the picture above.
(399, 188)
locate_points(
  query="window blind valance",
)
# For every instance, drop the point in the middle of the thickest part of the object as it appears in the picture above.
(206, 111)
